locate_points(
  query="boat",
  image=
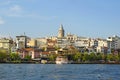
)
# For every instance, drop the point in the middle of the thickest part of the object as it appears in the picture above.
(61, 60)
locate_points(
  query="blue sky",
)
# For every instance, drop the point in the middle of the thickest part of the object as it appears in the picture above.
(39, 18)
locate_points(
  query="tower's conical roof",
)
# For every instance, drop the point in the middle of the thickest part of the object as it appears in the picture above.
(61, 27)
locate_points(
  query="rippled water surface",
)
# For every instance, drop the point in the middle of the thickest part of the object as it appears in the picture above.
(59, 72)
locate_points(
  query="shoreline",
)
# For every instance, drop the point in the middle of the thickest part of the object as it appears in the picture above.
(54, 63)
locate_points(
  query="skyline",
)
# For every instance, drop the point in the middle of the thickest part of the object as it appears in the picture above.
(38, 18)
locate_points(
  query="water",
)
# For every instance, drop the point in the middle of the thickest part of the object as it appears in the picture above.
(59, 72)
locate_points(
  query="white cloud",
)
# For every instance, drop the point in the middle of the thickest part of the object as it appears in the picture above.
(1, 21)
(14, 11)
(15, 8)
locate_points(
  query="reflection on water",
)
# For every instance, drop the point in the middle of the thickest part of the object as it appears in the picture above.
(59, 72)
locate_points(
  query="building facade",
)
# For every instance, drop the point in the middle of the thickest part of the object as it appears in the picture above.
(6, 43)
(21, 41)
(113, 43)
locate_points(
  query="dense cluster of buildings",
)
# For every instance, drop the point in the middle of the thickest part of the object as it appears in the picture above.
(62, 43)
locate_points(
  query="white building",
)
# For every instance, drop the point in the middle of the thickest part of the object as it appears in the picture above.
(114, 42)
(62, 42)
(82, 42)
(6, 43)
(102, 45)
(71, 37)
(21, 41)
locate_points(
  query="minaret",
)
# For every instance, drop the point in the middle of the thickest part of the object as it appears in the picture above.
(61, 32)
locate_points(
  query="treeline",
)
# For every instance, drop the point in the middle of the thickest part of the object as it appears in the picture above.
(93, 57)
(12, 57)
(88, 57)
(76, 57)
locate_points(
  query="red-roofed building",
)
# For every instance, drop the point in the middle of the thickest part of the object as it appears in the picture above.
(34, 53)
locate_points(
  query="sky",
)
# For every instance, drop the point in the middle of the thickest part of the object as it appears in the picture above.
(41, 18)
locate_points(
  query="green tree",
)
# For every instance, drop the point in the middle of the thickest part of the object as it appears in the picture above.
(112, 57)
(99, 56)
(109, 57)
(52, 57)
(70, 56)
(116, 57)
(14, 57)
(92, 57)
(3, 56)
(85, 57)
(119, 56)
(77, 56)
(27, 57)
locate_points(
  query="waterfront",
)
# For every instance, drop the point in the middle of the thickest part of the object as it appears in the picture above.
(59, 72)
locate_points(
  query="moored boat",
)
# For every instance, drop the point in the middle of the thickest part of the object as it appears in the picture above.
(61, 60)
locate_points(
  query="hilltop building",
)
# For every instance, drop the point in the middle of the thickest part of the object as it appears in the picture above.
(62, 42)
(41, 42)
(6, 43)
(21, 41)
(102, 45)
(32, 43)
(113, 43)
(61, 32)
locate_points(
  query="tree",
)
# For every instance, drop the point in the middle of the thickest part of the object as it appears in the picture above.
(3, 56)
(99, 56)
(70, 56)
(52, 57)
(77, 56)
(85, 57)
(119, 56)
(14, 57)
(109, 57)
(116, 57)
(27, 57)
(112, 57)
(92, 57)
